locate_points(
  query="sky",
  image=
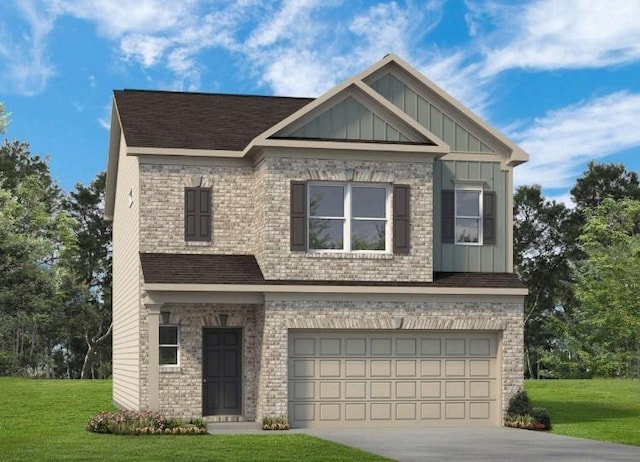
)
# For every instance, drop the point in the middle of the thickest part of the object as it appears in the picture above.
(559, 77)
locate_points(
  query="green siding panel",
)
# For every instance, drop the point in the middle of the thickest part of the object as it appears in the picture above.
(349, 120)
(421, 109)
(451, 257)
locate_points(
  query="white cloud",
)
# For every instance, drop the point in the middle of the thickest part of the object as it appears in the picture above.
(564, 198)
(155, 33)
(27, 68)
(562, 141)
(304, 48)
(461, 78)
(552, 34)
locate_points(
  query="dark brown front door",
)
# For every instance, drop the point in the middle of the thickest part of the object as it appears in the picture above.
(221, 371)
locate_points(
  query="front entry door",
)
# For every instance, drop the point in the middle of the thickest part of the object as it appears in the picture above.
(221, 371)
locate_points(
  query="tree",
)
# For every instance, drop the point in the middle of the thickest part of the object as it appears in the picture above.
(608, 288)
(32, 239)
(601, 181)
(89, 277)
(4, 119)
(540, 258)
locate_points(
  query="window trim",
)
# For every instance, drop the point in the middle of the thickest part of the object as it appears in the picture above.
(480, 217)
(169, 345)
(348, 217)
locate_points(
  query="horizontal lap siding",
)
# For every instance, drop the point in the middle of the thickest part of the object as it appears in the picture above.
(126, 289)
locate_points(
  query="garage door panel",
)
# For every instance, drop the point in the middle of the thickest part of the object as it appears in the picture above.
(430, 368)
(430, 347)
(330, 368)
(406, 368)
(355, 368)
(430, 390)
(406, 346)
(455, 347)
(304, 368)
(368, 378)
(405, 411)
(454, 368)
(355, 390)
(355, 346)
(381, 347)
(355, 412)
(330, 347)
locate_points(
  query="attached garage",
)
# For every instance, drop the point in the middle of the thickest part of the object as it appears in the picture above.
(349, 378)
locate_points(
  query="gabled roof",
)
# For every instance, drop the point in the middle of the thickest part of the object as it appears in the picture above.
(211, 121)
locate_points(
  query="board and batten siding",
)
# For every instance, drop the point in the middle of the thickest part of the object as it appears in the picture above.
(126, 284)
(475, 258)
(422, 109)
(349, 120)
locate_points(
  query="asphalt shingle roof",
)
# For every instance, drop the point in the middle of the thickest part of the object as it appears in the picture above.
(167, 268)
(164, 119)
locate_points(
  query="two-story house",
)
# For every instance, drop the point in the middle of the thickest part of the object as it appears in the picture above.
(344, 260)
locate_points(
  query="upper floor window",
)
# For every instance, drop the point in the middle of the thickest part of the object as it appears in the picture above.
(468, 216)
(352, 217)
(348, 217)
(197, 214)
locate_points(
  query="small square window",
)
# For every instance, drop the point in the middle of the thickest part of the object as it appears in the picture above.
(169, 345)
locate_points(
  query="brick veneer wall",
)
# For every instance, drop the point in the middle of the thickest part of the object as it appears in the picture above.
(274, 175)
(180, 388)
(280, 316)
(162, 208)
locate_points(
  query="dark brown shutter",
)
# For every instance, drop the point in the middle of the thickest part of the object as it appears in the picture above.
(298, 216)
(204, 206)
(489, 217)
(448, 217)
(197, 214)
(190, 214)
(401, 219)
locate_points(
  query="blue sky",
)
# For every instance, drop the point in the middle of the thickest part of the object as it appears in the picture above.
(560, 77)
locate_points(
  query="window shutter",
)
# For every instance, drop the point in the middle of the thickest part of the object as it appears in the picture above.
(190, 214)
(197, 214)
(401, 219)
(298, 216)
(489, 217)
(448, 218)
(204, 209)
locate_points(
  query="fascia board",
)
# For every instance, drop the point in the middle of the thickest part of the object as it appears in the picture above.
(275, 288)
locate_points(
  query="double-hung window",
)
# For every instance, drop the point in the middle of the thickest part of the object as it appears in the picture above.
(169, 345)
(468, 203)
(348, 217)
(468, 216)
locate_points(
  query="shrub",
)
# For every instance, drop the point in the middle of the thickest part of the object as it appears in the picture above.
(543, 419)
(519, 404)
(520, 421)
(275, 423)
(143, 423)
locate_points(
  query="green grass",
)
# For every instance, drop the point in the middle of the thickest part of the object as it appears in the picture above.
(598, 409)
(45, 419)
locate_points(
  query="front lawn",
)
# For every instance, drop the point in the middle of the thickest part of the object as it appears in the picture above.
(45, 419)
(597, 409)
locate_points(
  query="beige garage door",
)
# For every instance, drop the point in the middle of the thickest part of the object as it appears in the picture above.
(368, 378)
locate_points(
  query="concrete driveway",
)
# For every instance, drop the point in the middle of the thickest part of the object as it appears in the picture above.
(476, 444)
